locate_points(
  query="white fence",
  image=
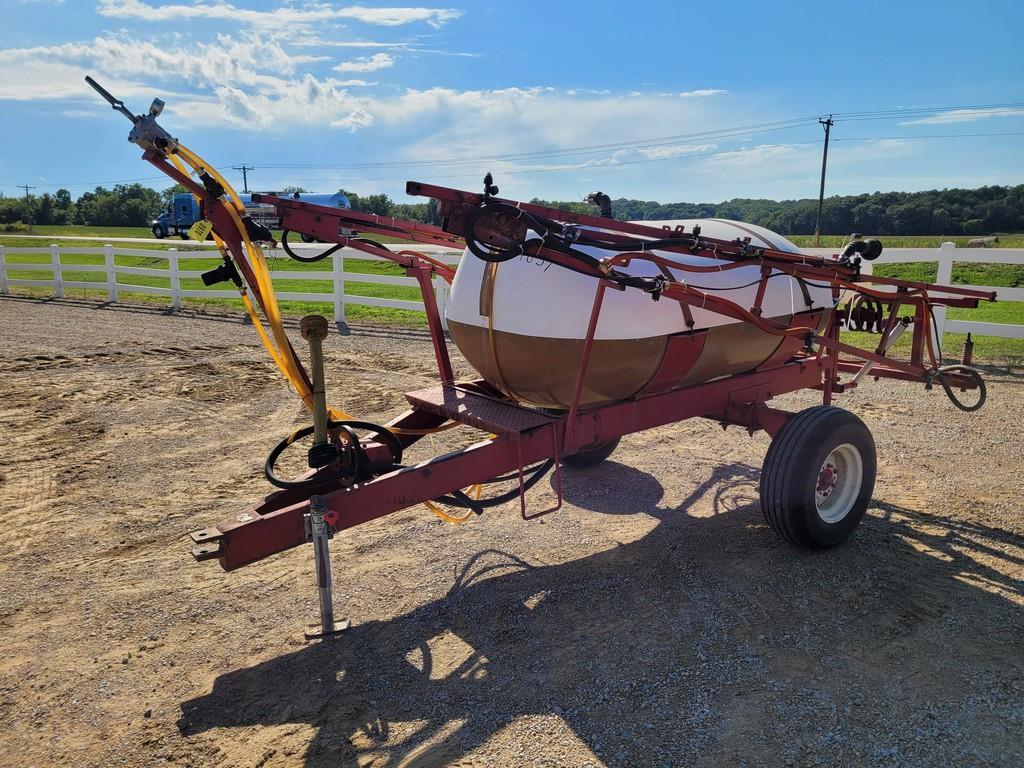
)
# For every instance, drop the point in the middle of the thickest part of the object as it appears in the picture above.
(337, 276)
(174, 273)
(945, 255)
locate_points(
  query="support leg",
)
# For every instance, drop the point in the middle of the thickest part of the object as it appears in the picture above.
(320, 535)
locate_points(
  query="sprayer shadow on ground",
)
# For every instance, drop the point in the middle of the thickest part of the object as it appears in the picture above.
(707, 641)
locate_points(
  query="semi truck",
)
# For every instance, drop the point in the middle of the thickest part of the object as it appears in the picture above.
(183, 211)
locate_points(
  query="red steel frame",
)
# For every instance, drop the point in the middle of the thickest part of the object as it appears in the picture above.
(277, 524)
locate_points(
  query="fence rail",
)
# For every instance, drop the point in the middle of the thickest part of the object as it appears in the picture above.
(944, 256)
(174, 273)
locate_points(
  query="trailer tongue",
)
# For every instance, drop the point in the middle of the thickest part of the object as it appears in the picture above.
(704, 295)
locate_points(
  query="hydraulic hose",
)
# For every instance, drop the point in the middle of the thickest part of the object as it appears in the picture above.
(972, 373)
(459, 499)
(349, 472)
(305, 259)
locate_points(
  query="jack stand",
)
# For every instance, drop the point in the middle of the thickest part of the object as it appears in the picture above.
(320, 536)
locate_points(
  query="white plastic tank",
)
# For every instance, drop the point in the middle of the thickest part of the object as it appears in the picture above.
(522, 323)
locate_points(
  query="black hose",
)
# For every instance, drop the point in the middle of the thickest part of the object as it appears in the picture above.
(967, 370)
(359, 461)
(305, 259)
(459, 499)
(482, 250)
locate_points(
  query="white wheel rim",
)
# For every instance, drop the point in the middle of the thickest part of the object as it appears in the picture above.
(838, 483)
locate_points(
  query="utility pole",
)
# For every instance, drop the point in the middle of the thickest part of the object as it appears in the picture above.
(28, 205)
(821, 192)
(245, 178)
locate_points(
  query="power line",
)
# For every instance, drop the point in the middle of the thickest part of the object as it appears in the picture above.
(639, 144)
(692, 156)
(587, 166)
(1004, 108)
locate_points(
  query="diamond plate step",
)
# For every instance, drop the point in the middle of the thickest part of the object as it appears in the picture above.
(480, 411)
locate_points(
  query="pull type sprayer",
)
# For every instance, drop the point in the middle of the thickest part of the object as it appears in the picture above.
(582, 329)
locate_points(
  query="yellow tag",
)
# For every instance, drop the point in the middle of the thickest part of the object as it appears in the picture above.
(200, 230)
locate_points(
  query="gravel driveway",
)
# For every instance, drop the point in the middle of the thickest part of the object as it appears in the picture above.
(655, 620)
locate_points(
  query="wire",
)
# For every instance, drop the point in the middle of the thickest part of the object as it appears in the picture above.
(1006, 108)
(693, 156)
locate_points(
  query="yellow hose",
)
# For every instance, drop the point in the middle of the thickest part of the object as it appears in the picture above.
(279, 349)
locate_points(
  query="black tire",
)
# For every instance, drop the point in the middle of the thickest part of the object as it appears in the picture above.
(590, 457)
(183, 235)
(809, 504)
(158, 233)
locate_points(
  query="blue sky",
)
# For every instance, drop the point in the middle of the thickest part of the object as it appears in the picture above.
(556, 98)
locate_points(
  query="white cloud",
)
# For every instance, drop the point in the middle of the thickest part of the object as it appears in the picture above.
(367, 63)
(254, 81)
(762, 154)
(635, 155)
(283, 15)
(354, 120)
(701, 92)
(964, 116)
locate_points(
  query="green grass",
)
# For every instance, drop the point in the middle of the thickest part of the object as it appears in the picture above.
(354, 313)
(995, 275)
(906, 241)
(87, 231)
(804, 241)
(81, 230)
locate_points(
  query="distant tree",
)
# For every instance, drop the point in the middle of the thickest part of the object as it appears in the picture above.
(63, 207)
(167, 195)
(933, 212)
(11, 209)
(126, 205)
(380, 204)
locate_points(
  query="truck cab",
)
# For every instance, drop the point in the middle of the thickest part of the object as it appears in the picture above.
(183, 211)
(181, 214)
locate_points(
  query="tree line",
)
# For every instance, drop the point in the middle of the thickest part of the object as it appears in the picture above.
(984, 210)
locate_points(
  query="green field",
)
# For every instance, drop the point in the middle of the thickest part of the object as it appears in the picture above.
(353, 312)
(905, 241)
(1010, 351)
(12, 240)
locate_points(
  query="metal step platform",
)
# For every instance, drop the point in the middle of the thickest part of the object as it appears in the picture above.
(485, 412)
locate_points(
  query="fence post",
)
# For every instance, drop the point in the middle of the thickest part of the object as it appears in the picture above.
(441, 297)
(338, 275)
(172, 268)
(58, 276)
(3, 271)
(947, 252)
(111, 269)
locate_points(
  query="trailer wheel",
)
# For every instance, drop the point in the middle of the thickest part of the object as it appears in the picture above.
(158, 233)
(818, 476)
(590, 457)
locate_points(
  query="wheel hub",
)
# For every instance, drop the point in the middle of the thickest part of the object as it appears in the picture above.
(838, 483)
(828, 479)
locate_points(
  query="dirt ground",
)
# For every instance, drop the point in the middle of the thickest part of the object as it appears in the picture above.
(655, 620)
